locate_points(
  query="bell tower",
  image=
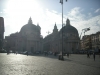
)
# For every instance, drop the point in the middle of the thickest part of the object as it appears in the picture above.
(55, 30)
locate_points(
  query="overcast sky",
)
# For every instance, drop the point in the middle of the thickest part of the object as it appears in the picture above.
(82, 14)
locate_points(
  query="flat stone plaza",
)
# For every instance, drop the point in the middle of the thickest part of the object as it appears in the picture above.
(76, 64)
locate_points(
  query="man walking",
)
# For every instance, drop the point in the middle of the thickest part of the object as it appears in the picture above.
(94, 56)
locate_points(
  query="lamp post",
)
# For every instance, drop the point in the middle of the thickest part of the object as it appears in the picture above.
(85, 30)
(61, 1)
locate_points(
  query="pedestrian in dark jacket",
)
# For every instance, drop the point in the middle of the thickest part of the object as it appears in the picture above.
(88, 55)
(27, 53)
(68, 55)
(94, 56)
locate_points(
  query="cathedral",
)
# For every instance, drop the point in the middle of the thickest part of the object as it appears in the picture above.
(28, 39)
(31, 38)
(71, 40)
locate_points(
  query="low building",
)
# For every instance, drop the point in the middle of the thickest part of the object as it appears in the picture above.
(95, 38)
(91, 42)
(10, 42)
(87, 45)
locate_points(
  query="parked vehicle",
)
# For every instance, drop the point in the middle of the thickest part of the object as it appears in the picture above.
(25, 52)
(3, 51)
(10, 51)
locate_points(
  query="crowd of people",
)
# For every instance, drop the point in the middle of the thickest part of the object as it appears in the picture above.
(55, 54)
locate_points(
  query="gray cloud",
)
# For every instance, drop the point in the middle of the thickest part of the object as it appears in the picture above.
(97, 10)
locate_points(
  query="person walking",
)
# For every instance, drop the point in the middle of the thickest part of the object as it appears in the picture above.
(27, 53)
(7, 52)
(16, 52)
(68, 55)
(88, 56)
(94, 56)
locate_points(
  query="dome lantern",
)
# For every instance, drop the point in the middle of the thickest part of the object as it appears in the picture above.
(67, 22)
(30, 21)
(69, 28)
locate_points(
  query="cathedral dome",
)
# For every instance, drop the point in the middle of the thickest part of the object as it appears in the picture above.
(69, 28)
(29, 27)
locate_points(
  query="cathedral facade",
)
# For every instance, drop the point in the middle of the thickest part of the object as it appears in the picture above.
(31, 39)
(71, 40)
(28, 39)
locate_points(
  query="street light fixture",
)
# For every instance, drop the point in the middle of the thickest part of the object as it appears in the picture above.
(61, 1)
(85, 30)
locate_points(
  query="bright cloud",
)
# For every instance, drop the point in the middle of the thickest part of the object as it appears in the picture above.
(75, 14)
(80, 21)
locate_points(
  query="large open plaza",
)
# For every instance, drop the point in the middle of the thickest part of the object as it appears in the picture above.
(76, 64)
